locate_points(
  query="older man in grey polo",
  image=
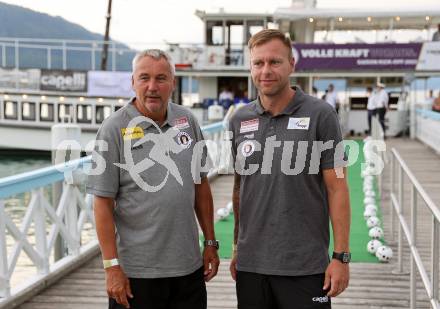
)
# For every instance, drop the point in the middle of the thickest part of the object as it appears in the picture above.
(148, 195)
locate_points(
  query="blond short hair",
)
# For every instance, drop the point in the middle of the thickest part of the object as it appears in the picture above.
(267, 35)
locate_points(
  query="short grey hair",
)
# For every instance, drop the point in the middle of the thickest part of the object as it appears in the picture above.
(155, 54)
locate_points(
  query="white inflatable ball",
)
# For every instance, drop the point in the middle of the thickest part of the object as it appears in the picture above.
(223, 213)
(369, 200)
(368, 145)
(229, 206)
(368, 187)
(368, 182)
(370, 193)
(373, 245)
(384, 254)
(369, 178)
(369, 156)
(375, 233)
(371, 206)
(369, 171)
(368, 213)
(373, 221)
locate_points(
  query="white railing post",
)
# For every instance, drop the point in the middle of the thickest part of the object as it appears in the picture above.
(392, 186)
(64, 55)
(5, 289)
(413, 283)
(93, 57)
(3, 55)
(40, 233)
(435, 260)
(225, 153)
(71, 218)
(400, 232)
(49, 58)
(17, 54)
(113, 57)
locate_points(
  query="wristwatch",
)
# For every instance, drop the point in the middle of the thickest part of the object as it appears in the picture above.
(343, 257)
(213, 243)
(110, 263)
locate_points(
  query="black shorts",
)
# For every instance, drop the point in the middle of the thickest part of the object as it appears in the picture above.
(256, 291)
(186, 292)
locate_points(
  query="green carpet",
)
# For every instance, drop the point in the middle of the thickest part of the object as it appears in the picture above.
(359, 231)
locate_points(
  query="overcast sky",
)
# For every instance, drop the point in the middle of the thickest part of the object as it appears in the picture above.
(156, 21)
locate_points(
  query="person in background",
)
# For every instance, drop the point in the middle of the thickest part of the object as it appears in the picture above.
(436, 104)
(324, 95)
(429, 102)
(331, 97)
(380, 101)
(315, 92)
(226, 94)
(370, 107)
(436, 35)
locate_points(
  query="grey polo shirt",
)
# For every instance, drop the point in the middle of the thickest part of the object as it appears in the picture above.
(284, 213)
(157, 234)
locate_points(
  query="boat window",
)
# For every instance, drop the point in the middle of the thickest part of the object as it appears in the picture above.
(46, 112)
(65, 113)
(102, 112)
(10, 110)
(214, 33)
(28, 111)
(84, 113)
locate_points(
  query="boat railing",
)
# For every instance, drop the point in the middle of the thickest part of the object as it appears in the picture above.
(25, 53)
(409, 229)
(35, 232)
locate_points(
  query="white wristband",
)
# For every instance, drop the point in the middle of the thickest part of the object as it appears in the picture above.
(110, 263)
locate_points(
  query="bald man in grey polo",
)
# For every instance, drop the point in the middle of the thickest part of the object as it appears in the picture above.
(284, 212)
(157, 234)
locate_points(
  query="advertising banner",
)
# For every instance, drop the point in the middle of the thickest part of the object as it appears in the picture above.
(63, 80)
(109, 84)
(382, 56)
(20, 79)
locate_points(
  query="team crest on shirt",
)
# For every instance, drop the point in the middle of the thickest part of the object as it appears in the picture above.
(183, 139)
(247, 148)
